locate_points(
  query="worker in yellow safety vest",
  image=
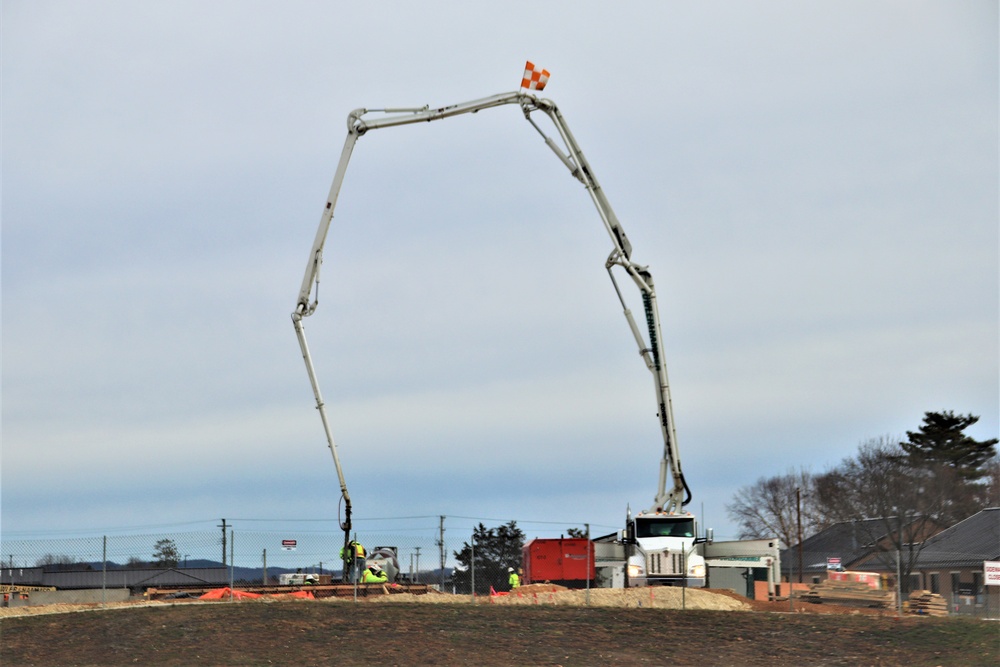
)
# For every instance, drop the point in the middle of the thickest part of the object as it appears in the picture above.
(513, 579)
(374, 574)
(355, 546)
(353, 556)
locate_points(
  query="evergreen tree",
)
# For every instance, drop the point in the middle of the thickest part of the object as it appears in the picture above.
(495, 549)
(165, 553)
(941, 441)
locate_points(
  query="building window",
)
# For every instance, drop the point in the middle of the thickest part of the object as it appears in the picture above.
(935, 583)
(956, 579)
(977, 586)
(815, 580)
(915, 584)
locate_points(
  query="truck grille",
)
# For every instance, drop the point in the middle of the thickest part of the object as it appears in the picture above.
(664, 563)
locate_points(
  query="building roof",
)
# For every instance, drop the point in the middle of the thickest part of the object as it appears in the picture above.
(118, 578)
(966, 544)
(848, 541)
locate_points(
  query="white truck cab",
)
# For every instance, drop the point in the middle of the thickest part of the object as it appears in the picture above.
(664, 551)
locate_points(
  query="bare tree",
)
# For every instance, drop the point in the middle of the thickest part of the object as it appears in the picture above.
(896, 506)
(992, 491)
(775, 506)
(61, 562)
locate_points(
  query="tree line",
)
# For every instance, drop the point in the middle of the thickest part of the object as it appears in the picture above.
(897, 491)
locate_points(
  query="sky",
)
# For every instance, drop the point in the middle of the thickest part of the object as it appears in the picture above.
(812, 185)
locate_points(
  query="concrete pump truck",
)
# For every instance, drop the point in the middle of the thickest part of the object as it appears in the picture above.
(659, 542)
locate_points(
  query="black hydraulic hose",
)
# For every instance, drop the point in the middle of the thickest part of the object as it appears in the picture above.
(345, 525)
(347, 553)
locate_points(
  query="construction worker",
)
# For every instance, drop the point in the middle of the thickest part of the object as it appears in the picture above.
(374, 574)
(513, 579)
(353, 556)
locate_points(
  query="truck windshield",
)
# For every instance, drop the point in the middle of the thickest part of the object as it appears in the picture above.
(666, 527)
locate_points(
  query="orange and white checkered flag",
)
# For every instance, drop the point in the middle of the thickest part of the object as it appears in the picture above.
(534, 78)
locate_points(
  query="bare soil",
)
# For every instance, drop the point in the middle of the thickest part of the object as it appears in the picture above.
(539, 627)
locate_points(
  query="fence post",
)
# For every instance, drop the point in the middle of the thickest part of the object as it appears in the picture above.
(232, 549)
(440, 543)
(104, 573)
(791, 572)
(684, 571)
(472, 563)
(587, 526)
(899, 586)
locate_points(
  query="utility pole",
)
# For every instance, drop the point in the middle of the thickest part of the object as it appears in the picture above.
(417, 574)
(223, 526)
(440, 545)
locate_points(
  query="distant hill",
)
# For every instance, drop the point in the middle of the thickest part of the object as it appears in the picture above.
(239, 573)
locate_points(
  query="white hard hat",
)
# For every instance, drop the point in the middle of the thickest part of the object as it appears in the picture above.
(510, 569)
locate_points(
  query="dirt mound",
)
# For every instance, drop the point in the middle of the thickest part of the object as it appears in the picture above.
(553, 595)
(63, 608)
(656, 597)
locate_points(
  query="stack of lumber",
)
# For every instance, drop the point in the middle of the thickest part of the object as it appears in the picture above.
(850, 593)
(925, 602)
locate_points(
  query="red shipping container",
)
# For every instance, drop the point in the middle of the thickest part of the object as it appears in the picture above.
(561, 561)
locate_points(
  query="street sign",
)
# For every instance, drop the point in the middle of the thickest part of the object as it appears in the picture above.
(991, 572)
(288, 545)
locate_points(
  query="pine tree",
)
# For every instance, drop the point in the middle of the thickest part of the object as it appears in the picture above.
(941, 441)
(165, 553)
(496, 549)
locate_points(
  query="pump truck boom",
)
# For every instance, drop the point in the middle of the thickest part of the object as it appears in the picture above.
(667, 500)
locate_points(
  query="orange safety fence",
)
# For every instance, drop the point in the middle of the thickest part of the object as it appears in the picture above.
(227, 593)
(233, 594)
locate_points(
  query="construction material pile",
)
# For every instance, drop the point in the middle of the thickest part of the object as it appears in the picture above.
(850, 593)
(925, 602)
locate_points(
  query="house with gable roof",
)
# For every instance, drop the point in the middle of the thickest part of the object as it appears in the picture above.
(950, 562)
(834, 548)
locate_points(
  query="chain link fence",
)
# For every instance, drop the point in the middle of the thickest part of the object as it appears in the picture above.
(439, 551)
(957, 577)
(458, 555)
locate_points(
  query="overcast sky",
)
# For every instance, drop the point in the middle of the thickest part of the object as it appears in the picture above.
(813, 186)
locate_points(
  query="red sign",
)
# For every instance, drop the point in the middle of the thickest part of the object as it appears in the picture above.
(288, 545)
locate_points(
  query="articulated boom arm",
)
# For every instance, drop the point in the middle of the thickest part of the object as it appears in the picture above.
(572, 157)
